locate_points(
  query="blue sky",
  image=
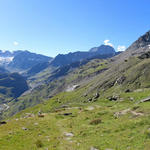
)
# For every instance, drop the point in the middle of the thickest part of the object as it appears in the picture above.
(51, 27)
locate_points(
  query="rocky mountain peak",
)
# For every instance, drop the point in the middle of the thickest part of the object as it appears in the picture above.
(103, 49)
(145, 37)
(143, 41)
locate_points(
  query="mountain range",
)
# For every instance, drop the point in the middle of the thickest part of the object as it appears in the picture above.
(29, 64)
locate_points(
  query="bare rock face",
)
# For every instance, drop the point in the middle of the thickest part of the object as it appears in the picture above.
(120, 80)
(143, 41)
(139, 47)
(145, 55)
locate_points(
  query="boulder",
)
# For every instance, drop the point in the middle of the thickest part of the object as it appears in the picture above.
(127, 90)
(3, 122)
(67, 114)
(90, 99)
(113, 98)
(23, 128)
(96, 96)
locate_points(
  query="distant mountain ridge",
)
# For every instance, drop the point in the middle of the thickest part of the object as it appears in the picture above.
(62, 60)
(30, 63)
(105, 51)
(25, 60)
(21, 60)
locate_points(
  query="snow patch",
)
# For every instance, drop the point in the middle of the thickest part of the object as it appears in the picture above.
(6, 60)
(72, 88)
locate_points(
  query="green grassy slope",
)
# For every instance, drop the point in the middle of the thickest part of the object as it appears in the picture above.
(81, 75)
(95, 76)
(91, 124)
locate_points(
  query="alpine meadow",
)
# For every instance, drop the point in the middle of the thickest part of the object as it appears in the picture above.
(74, 75)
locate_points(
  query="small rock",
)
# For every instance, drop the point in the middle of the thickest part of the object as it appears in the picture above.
(90, 108)
(136, 114)
(93, 148)
(90, 99)
(113, 98)
(131, 98)
(120, 113)
(67, 114)
(23, 128)
(96, 96)
(127, 90)
(64, 106)
(69, 134)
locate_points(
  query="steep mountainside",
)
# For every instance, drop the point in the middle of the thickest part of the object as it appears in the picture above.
(101, 77)
(3, 70)
(37, 68)
(139, 47)
(12, 85)
(98, 104)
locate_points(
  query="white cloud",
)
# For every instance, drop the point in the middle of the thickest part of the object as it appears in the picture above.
(121, 48)
(15, 43)
(106, 42)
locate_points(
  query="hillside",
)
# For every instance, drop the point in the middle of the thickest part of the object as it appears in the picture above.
(95, 104)
(104, 76)
(12, 85)
(70, 121)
